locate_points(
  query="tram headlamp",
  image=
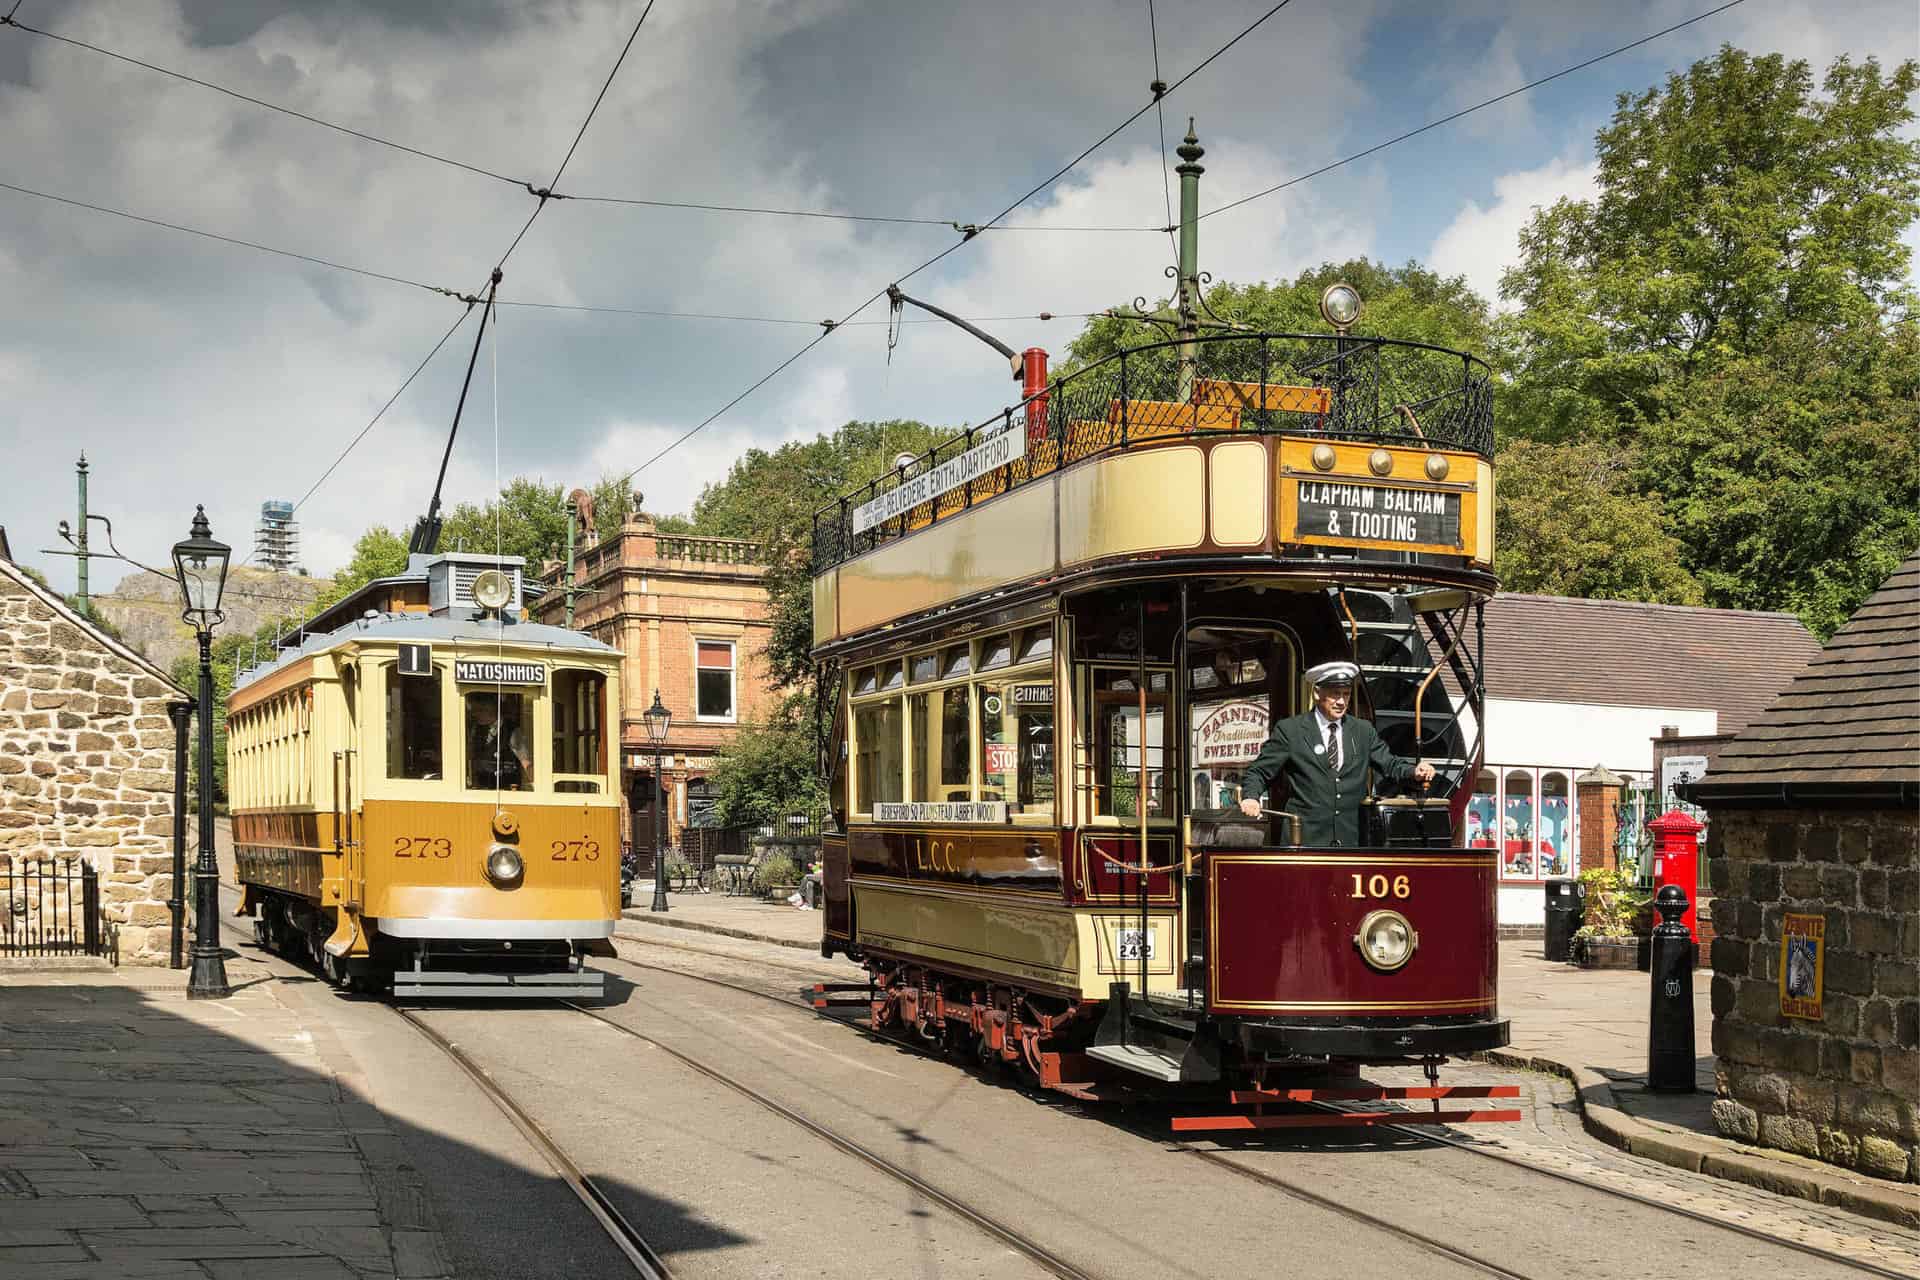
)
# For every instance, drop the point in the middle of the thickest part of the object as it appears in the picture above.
(1386, 940)
(504, 866)
(492, 589)
(1340, 305)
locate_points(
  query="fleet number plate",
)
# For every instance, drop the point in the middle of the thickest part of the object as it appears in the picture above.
(1129, 945)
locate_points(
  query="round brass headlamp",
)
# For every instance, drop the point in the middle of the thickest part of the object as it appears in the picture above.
(1340, 305)
(1386, 940)
(503, 865)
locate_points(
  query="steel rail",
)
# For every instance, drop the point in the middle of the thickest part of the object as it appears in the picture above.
(1707, 1219)
(625, 1236)
(1029, 1248)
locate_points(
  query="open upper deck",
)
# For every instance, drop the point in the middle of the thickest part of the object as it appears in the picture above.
(1321, 445)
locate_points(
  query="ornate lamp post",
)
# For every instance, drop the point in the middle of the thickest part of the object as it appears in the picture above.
(201, 566)
(657, 719)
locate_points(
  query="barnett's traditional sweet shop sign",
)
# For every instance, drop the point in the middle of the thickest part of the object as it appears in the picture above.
(1803, 965)
(1341, 511)
(1231, 734)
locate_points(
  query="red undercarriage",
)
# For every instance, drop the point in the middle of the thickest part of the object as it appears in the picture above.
(1004, 1026)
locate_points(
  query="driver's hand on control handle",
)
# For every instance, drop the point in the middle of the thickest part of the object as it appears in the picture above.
(1250, 807)
(1423, 773)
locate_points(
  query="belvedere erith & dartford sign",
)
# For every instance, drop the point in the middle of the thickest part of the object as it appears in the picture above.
(476, 671)
(1337, 510)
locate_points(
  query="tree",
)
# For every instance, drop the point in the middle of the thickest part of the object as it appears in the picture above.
(377, 553)
(768, 770)
(1729, 315)
(1569, 524)
(528, 518)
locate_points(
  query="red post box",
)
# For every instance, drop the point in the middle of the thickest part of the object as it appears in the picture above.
(1676, 860)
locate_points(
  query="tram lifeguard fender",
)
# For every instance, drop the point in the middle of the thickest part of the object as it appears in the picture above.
(347, 939)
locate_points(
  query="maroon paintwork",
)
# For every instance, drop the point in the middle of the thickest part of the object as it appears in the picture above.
(1281, 933)
(1093, 879)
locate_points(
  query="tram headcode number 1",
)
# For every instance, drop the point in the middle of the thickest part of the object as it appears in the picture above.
(1128, 944)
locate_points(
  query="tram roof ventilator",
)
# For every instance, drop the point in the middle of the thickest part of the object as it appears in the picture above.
(450, 577)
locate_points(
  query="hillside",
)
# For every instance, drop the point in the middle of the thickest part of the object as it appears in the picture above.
(146, 608)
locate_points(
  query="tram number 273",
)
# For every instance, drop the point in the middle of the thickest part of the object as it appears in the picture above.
(1378, 886)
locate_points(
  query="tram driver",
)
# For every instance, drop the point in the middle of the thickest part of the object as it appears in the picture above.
(497, 755)
(1323, 755)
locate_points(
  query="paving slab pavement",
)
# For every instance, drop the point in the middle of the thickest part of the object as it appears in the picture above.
(1588, 1026)
(143, 1134)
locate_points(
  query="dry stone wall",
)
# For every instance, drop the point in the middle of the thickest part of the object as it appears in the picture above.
(86, 762)
(1846, 1088)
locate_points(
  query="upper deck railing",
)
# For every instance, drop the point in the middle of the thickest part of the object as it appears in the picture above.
(1322, 386)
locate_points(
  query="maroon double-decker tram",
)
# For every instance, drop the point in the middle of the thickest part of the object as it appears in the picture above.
(1061, 637)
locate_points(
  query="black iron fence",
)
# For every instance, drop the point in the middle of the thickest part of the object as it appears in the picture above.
(52, 908)
(1371, 390)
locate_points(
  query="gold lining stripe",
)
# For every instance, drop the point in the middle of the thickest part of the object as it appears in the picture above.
(946, 888)
(1356, 860)
(1325, 1005)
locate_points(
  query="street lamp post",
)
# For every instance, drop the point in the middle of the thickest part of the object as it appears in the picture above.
(201, 565)
(658, 718)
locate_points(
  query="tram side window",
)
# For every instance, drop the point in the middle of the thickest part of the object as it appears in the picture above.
(1116, 738)
(941, 744)
(579, 745)
(498, 755)
(414, 746)
(1016, 743)
(876, 733)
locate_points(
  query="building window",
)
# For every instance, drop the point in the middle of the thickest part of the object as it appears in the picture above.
(713, 680)
(1482, 824)
(1516, 826)
(414, 748)
(1555, 828)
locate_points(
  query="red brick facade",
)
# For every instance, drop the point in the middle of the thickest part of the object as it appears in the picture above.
(657, 597)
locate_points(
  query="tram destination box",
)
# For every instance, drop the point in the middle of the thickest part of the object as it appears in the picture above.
(1345, 511)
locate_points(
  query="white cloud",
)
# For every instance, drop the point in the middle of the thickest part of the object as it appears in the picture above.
(1483, 241)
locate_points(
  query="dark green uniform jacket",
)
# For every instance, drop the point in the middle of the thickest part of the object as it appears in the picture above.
(1329, 807)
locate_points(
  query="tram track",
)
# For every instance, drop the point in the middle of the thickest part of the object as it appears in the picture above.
(1408, 1131)
(1026, 1246)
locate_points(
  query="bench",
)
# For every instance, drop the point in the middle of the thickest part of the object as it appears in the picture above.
(736, 869)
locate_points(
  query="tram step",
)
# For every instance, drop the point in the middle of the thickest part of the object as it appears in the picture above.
(1138, 1059)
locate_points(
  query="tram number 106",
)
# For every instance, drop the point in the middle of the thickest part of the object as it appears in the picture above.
(1378, 886)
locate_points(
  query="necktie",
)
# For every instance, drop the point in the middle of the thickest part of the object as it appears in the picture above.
(1333, 745)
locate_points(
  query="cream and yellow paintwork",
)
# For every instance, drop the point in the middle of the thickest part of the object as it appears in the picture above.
(308, 825)
(1160, 496)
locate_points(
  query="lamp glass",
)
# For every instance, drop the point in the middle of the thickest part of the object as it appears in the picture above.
(1340, 304)
(200, 563)
(657, 718)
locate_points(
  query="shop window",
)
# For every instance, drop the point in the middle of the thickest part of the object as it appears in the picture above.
(499, 757)
(941, 744)
(1554, 842)
(579, 742)
(1482, 811)
(876, 736)
(1516, 826)
(713, 680)
(414, 746)
(1016, 743)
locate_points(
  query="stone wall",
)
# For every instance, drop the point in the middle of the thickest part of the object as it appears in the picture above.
(86, 761)
(1845, 1089)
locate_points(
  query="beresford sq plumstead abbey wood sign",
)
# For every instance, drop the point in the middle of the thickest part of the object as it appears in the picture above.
(1378, 513)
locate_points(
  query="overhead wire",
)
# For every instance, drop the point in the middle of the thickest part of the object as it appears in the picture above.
(1467, 111)
(823, 324)
(828, 330)
(1159, 89)
(226, 239)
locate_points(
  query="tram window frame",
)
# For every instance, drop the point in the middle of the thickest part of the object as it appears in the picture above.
(398, 688)
(567, 738)
(528, 724)
(1096, 785)
(968, 667)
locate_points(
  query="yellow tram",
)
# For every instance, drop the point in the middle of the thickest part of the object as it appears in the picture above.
(1064, 635)
(424, 791)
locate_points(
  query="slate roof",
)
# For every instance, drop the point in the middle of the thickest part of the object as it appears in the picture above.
(1848, 729)
(1619, 653)
(431, 628)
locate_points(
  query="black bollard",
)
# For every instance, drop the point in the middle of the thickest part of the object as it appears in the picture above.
(1670, 1051)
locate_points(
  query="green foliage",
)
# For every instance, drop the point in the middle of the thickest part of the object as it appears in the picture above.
(775, 869)
(1730, 317)
(1612, 904)
(377, 553)
(1568, 523)
(768, 771)
(528, 518)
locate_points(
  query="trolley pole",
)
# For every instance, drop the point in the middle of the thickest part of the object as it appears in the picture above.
(1189, 170)
(86, 605)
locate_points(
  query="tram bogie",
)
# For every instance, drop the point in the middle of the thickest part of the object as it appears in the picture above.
(425, 799)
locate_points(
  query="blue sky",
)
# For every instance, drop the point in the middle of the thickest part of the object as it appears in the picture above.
(195, 372)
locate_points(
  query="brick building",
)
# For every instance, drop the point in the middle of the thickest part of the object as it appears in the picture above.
(86, 761)
(1814, 851)
(691, 614)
